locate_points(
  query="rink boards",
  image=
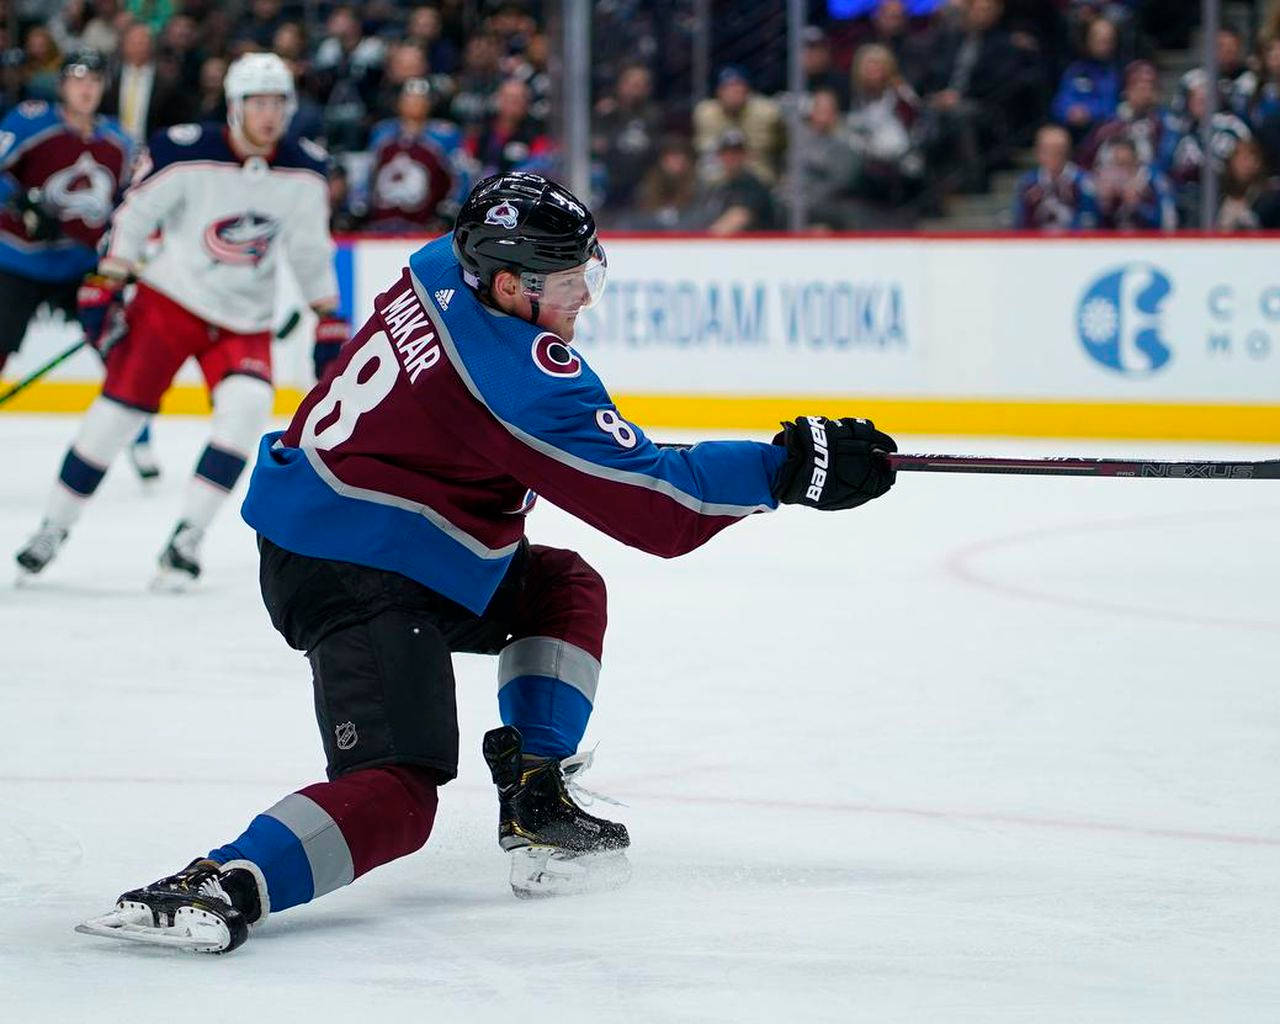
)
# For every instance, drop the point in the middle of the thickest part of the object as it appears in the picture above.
(1087, 336)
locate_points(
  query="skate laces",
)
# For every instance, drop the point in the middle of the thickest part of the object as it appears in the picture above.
(571, 768)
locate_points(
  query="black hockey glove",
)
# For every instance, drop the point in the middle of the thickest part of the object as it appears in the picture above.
(40, 223)
(833, 464)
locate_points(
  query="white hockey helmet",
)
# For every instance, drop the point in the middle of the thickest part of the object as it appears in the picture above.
(258, 74)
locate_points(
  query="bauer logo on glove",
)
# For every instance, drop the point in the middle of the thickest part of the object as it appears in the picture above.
(833, 464)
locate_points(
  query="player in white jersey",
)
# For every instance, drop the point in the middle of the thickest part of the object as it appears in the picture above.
(226, 199)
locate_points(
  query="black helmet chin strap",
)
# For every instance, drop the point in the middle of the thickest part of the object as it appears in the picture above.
(533, 306)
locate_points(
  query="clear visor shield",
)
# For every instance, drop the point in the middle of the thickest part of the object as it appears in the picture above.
(569, 290)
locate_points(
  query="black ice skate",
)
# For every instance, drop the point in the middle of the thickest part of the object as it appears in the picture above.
(556, 847)
(41, 548)
(180, 560)
(205, 908)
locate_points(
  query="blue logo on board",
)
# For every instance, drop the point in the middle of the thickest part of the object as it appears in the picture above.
(1119, 323)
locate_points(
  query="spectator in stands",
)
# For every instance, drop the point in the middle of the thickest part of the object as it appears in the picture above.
(345, 71)
(1132, 197)
(627, 129)
(290, 42)
(665, 199)
(1089, 91)
(890, 25)
(42, 65)
(405, 62)
(530, 67)
(1139, 118)
(1250, 196)
(261, 22)
(1120, 13)
(414, 177)
(478, 82)
(1237, 82)
(425, 28)
(513, 25)
(740, 201)
(180, 41)
(1184, 157)
(68, 25)
(819, 68)
(143, 94)
(341, 216)
(101, 31)
(828, 165)
(211, 101)
(1057, 195)
(511, 140)
(152, 13)
(883, 111)
(756, 119)
(975, 78)
(1264, 114)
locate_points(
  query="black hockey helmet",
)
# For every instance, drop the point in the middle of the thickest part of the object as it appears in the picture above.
(533, 227)
(78, 63)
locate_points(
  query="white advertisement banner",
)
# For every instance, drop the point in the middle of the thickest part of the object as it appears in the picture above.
(1193, 320)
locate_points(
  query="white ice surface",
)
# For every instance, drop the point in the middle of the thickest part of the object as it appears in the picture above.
(991, 749)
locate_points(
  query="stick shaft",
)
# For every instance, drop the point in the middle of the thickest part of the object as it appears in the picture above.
(1264, 470)
(40, 371)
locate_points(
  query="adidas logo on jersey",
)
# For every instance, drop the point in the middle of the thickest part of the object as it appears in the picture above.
(443, 297)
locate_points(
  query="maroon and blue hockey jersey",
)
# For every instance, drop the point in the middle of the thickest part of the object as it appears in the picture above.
(422, 448)
(79, 179)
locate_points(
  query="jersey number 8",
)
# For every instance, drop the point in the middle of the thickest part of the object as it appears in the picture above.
(611, 423)
(366, 381)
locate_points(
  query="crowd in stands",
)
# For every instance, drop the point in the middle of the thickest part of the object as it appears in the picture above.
(1116, 154)
(906, 104)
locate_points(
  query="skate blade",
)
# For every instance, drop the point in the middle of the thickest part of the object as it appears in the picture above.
(172, 581)
(192, 929)
(538, 872)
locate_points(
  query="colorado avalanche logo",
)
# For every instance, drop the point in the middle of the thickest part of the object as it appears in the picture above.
(243, 240)
(82, 191)
(554, 358)
(503, 215)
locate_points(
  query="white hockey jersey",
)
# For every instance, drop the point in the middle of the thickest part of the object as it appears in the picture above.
(223, 221)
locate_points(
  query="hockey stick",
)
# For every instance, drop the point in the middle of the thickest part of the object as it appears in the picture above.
(1264, 470)
(39, 372)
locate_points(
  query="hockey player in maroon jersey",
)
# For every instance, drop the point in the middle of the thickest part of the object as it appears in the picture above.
(390, 517)
(62, 168)
(417, 166)
(226, 199)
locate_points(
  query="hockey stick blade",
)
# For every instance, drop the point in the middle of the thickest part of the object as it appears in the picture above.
(1268, 469)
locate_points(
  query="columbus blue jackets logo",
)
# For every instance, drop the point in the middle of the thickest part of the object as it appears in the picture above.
(242, 240)
(1119, 323)
(554, 358)
(504, 215)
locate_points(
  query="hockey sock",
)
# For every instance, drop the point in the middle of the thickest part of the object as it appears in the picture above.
(144, 435)
(241, 406)
(329, 834)
(104, 431)
(546, 688)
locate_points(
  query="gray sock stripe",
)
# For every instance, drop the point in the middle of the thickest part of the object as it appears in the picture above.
(547, 656)
(322, 841)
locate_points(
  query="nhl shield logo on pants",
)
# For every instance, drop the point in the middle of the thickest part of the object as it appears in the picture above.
(346, 735)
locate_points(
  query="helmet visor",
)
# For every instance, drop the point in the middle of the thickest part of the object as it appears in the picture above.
(570, 290)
